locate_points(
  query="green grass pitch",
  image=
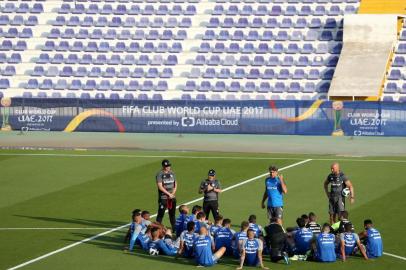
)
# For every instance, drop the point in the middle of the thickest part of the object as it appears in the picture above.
(90, 191)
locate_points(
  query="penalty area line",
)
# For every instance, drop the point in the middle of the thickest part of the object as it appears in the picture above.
(125, 225)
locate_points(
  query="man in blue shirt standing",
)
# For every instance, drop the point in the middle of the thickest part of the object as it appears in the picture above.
(204, 247)
(275, 187)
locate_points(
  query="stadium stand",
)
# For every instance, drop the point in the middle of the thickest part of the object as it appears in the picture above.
(173, 49)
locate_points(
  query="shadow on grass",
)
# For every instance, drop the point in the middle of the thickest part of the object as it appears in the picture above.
(115, 242)
(76, 221)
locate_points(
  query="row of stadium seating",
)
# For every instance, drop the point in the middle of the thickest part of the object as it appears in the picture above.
(22, 8)
(18, 20)
(156, 96)
(122, 9)
(152, 72)
(289, 47)
(246, 10)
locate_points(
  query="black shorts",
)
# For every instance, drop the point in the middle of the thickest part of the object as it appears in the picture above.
(336, 204)
(275, 212)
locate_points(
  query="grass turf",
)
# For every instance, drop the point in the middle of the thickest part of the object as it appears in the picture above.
(100, 191)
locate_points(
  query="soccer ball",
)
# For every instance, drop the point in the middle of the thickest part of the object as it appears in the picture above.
(153, 252)
(346, 192)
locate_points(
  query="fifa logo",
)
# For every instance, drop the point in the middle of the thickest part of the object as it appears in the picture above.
(5, 112)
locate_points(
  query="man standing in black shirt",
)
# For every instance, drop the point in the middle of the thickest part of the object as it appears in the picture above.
(166, 183)
(338, 181)
(211, 188)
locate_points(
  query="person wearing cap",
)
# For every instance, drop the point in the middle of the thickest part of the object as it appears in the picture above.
(211, 188)
(167, 185)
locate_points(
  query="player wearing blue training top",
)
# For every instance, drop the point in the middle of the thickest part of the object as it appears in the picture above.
(325, 245)
(223, 237)
(239, 237)
(302, 237)
(143, 239)
(159, 245)
(372, 240)
(275, 187)
(201, 222)
(251, 251)
(348, 243)
(204, 247)
(187, 239)
(136, 228)
(193, 217)
(252, 219)
(218, 221)
(180, 220)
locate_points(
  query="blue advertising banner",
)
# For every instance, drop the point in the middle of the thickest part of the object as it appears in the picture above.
(179, 116)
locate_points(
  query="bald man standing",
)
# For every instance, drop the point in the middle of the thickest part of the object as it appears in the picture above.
(338, 181)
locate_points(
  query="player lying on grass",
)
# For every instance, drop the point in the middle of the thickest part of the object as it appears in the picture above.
(348, 243)
(251, 251)
(372, 240)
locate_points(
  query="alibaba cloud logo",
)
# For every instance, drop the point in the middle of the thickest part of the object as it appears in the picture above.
(72, 126)
(188, 121)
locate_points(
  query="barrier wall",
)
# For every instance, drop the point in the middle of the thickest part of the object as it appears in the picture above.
(236, 117)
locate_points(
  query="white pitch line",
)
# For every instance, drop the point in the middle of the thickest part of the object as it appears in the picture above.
(198, 157)
(125, 225)
(395, 256)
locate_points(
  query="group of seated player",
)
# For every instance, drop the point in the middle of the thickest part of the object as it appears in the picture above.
(207, 242)
(310, 241)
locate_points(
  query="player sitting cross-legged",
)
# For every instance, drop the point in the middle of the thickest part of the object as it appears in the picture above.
(348, 243)
(372, 240)
(204, 247)
(251, 251)
(187, 239)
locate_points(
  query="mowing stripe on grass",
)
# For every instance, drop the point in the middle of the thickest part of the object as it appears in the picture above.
(195, 157)
(125, 225)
